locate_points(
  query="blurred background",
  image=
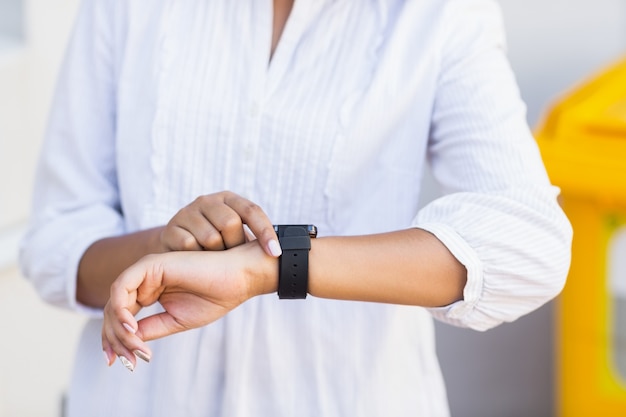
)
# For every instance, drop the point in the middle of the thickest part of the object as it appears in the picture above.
(554, 45)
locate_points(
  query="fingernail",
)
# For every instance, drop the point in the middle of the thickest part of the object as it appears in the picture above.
(129, 328)
(106, 358)
(275, 249)
(142, 355)
(128, 364)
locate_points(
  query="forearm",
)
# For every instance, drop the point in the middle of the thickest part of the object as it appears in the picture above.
(196, 288)
(409, 267)
(105, 260)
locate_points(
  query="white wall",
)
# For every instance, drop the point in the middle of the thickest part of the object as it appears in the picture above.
(37, 348)
(27, 73)
(504, 372)
(36, 341)
(28, 66)
(554, 44)
(11, 18)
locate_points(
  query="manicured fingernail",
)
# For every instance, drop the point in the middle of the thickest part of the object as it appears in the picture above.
(274, 247)
(128, 364)
(129, 328)
(142, 355)
(106, 358)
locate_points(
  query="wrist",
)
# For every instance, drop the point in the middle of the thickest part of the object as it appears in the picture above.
(260, 269)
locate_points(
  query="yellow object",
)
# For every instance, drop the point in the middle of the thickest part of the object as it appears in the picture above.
(583, 144)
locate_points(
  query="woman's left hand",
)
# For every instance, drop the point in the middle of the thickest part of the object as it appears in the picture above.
(194, 289)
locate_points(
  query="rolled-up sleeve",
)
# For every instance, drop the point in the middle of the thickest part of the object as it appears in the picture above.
(76, 198)
(499, 215)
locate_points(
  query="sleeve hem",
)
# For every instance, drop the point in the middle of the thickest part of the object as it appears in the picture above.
(78, 248)
(468, 258)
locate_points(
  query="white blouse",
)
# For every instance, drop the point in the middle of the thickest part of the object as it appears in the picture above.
(161, 101)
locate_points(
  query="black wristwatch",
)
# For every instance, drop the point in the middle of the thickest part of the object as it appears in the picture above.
(293, 270)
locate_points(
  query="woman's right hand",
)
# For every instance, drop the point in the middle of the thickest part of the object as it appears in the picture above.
(217, 222)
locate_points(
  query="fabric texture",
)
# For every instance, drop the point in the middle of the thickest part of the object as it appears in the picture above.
(159, 102)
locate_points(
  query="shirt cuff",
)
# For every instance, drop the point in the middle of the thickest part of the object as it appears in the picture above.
(473, 290)
(74, 255)
(51, 253)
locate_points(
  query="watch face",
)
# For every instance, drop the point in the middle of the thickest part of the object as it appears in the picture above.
(310, 229)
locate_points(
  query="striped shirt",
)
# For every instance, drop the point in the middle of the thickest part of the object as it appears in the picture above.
(159, 102)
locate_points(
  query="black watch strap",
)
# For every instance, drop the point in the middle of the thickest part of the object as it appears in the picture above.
(293, 278)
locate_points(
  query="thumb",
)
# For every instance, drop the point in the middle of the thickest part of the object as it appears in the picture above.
(158, 326)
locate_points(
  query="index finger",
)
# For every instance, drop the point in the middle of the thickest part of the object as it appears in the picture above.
(257, 221)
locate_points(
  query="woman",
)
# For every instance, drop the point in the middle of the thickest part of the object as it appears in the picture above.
(313, 112)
